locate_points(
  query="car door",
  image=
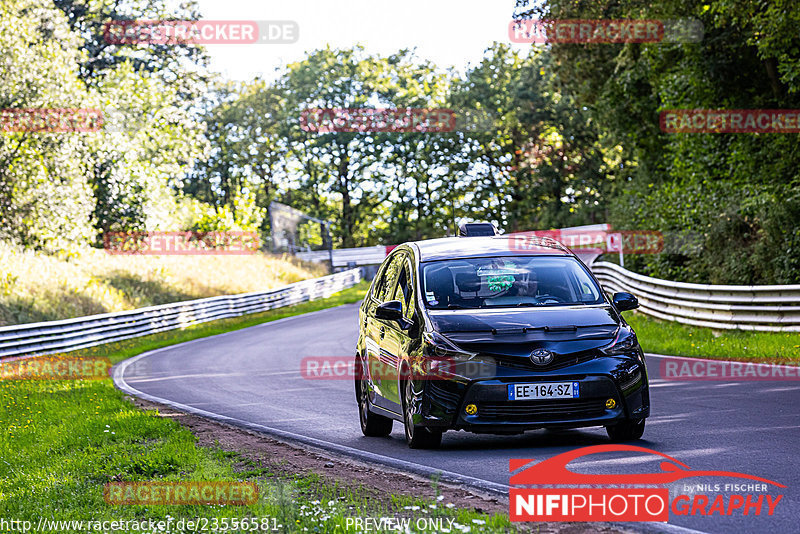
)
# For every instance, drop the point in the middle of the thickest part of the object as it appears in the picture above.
(395, 341)
(378, 361)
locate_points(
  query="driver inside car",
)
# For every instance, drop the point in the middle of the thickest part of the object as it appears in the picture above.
(525, 285)
(523, 290)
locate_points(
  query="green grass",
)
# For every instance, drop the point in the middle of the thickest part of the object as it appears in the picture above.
(62, 441)
(675, 339)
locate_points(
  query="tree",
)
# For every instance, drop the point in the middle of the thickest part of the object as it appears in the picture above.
(45, 199)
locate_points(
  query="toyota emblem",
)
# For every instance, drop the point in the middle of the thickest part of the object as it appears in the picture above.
(541, 356)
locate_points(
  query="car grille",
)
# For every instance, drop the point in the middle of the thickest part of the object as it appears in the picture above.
(541, 410)
(559, 362)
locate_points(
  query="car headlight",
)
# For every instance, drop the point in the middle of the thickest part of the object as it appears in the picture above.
(446, 361)
(624, 342)
(437, 346)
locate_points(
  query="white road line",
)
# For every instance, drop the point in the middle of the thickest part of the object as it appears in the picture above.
(419, 469)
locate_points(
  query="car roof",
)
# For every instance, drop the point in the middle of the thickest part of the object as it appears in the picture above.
(477, 247)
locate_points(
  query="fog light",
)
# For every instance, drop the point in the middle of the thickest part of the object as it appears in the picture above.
(471, 409)
(610, 403)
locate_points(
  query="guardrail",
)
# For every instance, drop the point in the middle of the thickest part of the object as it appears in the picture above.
(342, 257)
(761, 308)
(82, 332)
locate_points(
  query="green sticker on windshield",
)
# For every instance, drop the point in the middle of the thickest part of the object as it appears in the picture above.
(500, 283)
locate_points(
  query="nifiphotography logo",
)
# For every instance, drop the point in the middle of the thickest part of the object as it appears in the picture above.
(535, 494)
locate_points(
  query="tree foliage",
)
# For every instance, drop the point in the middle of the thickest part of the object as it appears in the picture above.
(62, 189)
(728, 201)
(553, 136)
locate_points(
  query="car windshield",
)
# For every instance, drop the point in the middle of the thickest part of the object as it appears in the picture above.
(508, 282)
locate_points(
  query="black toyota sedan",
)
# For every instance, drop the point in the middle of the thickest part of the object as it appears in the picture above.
(484, 335)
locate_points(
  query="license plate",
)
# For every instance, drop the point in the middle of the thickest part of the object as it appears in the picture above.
(543, 390)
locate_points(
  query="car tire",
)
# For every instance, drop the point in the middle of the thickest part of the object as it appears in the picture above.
(417, 436)
(372, 424)
(628, 430)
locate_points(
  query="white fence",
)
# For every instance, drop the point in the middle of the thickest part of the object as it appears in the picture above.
(71, 334)
(763, 308)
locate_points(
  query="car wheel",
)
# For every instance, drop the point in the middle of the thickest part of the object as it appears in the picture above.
(627, 430)
(372, 424)
(417, 436)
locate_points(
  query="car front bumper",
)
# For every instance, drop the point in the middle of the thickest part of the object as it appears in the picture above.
(621, 378)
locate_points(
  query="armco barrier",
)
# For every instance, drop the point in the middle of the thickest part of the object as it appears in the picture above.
(344, 256)
(81, 332)
(762, 308)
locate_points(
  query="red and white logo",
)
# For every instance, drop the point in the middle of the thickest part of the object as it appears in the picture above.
(625, 497)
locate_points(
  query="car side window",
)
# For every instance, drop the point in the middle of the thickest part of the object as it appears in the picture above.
(404, 290)
(385, 289)
(377, 283)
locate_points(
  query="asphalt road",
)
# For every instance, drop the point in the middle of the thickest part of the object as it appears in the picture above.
(253, 376)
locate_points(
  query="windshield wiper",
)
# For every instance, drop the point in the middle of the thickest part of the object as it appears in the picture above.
(460, 307)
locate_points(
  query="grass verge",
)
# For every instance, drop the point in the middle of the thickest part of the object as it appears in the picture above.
(675, 339)
(125, 349)
(62, 441)
(35, 286)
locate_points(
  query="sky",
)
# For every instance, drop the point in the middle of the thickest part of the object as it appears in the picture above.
(447, 32)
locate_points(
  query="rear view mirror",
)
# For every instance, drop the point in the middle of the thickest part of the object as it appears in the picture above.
(625, 301)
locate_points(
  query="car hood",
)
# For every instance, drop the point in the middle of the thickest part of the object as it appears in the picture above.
(563, 330)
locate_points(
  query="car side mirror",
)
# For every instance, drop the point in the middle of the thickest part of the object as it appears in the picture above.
(390, 311)
(393, 311)
(625, 301)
